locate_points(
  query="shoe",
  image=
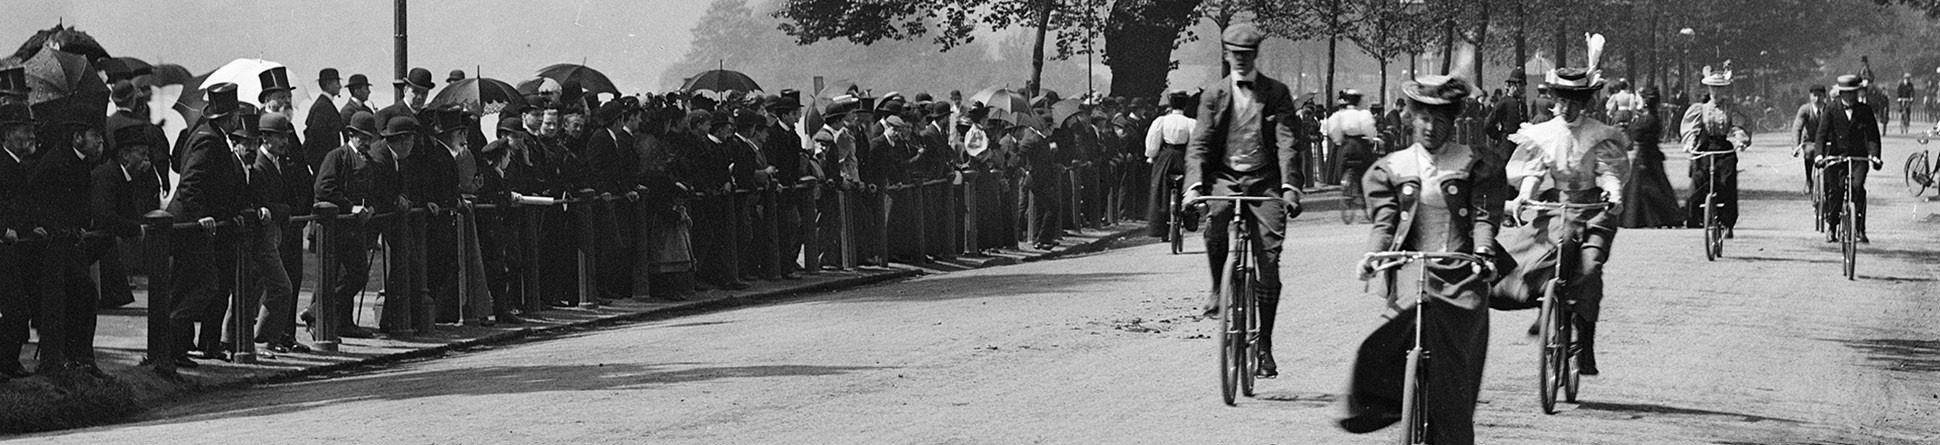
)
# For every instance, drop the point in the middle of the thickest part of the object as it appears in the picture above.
(1831, 237)
(1863, 240)
(1730, 233)
(486, 322)
(1586, 362)
(87, 368)
(1210, 310)
(790, 276)
(353, 332)
(1534, 329)
(508, 318)
(219, 355)
(1368, 423)
(295, 346)
(277, 348)
(183, 361)
(1268, 367)
(562, 304)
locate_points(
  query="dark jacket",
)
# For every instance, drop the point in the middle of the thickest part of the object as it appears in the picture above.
(611, 160)
(1282, 138)
(431, 174)
(344, 179)
(783, 148)
(1843, 136)
(61, 187)
(323, 131)
(388, 182)
(212, 184)
(118, 203)
(17, 207)
(285, 185)
(158, 149)
(1392, 191)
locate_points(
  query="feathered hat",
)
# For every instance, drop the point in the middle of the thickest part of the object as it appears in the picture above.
(1566, 80)
(1717, 78)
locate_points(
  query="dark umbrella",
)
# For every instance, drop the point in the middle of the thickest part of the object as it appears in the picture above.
(480, 96)
(1006, 105)
(590, 80)
(65, 89)
(192, 93)
(537, 85)
(172, 74)
(721, 82)
(127, 66)
(64, 39)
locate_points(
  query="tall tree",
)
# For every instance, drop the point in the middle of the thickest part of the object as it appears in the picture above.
(1384, 30)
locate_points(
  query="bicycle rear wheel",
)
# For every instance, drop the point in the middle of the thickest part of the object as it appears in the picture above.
(1414, 425)
(1175, 232)
(1551, 349)
(1232, 340)
(1567, 369)
(1849, 239)
(1817, 190)
(1918, 174)
(1248, 333)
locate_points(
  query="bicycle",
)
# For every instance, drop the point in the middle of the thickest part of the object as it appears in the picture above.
(1714, 229)
(1555, 354)
(1239, 319)
(1175, 231)
(1848, 233)
(1414, 422)
(1919, 171)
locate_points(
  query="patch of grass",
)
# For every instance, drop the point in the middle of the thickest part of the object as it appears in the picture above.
(65, 400)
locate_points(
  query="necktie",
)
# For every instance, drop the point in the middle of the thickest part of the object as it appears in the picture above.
(1246, 85)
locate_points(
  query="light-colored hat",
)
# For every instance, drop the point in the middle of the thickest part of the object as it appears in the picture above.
(1848, 82)
(1243, 37)
(1436, 90)
(1717, 78)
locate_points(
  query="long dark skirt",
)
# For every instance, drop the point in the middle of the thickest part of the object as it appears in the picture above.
(1648, 200)
(1456, 336)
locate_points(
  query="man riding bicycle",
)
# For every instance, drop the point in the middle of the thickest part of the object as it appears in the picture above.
(1247, 143)
(1847, 129)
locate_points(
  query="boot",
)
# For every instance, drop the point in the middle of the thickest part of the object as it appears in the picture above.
(1269, 310)
(1586, 342)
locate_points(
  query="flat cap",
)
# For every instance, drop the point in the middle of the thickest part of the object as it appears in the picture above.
(1243, 37)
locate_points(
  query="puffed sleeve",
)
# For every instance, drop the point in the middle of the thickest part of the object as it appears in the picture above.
(1529, 160)
(1612, 163)
(1691, 126)
(1383, 205)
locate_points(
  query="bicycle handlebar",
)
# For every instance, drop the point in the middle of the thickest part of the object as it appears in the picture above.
(1547, 205)
(1700, 154)
(1234, 198)
(1393, 259)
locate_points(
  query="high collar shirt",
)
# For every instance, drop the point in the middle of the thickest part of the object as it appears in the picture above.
(1348, 122)
(1174, 128)
(1571, 156)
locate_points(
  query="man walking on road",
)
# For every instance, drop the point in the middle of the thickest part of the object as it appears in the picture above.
(1247, 143)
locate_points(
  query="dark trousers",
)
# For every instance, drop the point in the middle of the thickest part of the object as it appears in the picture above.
(613, 247)
(351, 247)
(205, 275)
(1267, 236)
(267, 286)
(715, 249)
(1726, 182)
(279, 324)
(558, 256)
(906, 224)
(441, 263)
(828, 222)
(792, 209)
(868, 216)
(494, 251)
(17, 298)
(755, 224)
(1047, 206)
(1836, 181)
(405, 289)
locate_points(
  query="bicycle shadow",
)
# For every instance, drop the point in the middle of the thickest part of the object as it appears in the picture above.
(1897, 354)
(1304, 399)
(1650, 408)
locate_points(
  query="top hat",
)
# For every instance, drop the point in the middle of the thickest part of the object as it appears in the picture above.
(418, 78)
(456, 75)
(273, 80)
(450, 119)
(221, 101)
(14, 81)
(1242, 37)
(16, 113)
(250, 128)
(788, 100)
(1436, 90)
(130, 135)
(327, 75)
(357, 80)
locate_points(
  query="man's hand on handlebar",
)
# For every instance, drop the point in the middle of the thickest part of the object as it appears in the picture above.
(1292, 197)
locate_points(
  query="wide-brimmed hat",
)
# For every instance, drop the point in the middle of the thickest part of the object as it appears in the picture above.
(1242, 37)
(418, 78)
(221, 101)
(1717, 78)
(1436, 90)
(401, 126)
(357, 80)
(1573, 79)
(1848, 82)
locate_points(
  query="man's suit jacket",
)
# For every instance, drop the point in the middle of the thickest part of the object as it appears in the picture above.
(387, 181)
(212, 183)
(61, 187)
(117, 203)
(431, 174)
(158, 149)
(1282, 139)
(611, 160)
(352, 107)
(344, 179)
(1848, 136)
(17, 205)
(284, 185)
(783, 148)
(323, 130)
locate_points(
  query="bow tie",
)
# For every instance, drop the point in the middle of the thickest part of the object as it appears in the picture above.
(1246, 85)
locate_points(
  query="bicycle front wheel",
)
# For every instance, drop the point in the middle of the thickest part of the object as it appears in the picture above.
(1232, 336)
(1713, 230)
(1849, 239)
(1552, 350)
(1175, 232)
(1918, 174)
(1414, 424)
(1248, 333)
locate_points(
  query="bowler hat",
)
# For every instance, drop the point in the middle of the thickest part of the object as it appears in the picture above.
(130, 135)
(123, 92)
(16, 113)
(608, 113)
(275, 123)
(746, 118)
(221, 100)
(450, 119)
(327, 75)
(357, 80)
(784, 102)
(1242, 37)
(14, 81)
(363, 123)
(418, 78)
(456, 75)
(401, 126)
(273, 80)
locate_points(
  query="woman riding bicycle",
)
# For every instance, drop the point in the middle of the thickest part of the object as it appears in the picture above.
(1165, 149)
(1709, 127)
(1435, 196)
(1571, 159)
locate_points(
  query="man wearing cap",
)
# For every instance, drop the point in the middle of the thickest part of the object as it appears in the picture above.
(1351, 130)
(284, 183)
(794, 204)
(1575, 159)
(1505, 119)
(18, 218)
(1847, 129)
(324, 127)
(359, 100)
(1248, 143)
(212, 188)
(1806, 130)
(392, 193)
(1708, 127)
(346, 179)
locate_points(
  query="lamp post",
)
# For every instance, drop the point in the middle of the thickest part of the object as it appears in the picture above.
(1684, 59)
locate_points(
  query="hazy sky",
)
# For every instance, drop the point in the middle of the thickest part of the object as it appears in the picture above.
(632, 41)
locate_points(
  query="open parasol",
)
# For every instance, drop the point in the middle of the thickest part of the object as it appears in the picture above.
(721, 82)
(480, 96)
(590, 80)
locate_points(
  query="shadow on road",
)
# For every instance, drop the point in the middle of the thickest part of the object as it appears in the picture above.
(951, 287)
(490, 380)
(1896, 354)
(1647, 408)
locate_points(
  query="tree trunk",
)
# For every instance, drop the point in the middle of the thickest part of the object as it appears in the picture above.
(1037, 50)
(1481, 41)
(1448, 45)
(1562, 46)
(1333, 40)
(1522, 40)
(1139, 42)
(1384, 83)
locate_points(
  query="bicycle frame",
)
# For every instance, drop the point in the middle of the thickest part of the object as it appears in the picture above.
(1239, 315)
(1414, 424)
(1558, 312)
(1848, 233)
(1713, 228)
